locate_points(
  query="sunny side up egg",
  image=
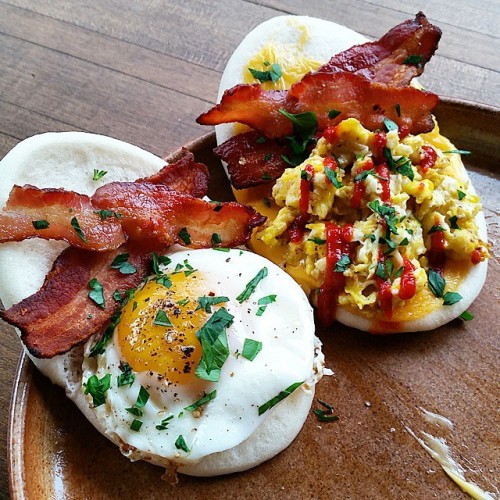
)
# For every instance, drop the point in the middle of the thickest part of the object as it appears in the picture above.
(203, 354)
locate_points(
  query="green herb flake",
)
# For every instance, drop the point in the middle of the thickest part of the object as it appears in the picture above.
(342, 264)
(158, 260)
(327, 414)
(97, 388)
(164, 423)
(273, 74)
(264, 302)
(399, 272)
(458, 152)
(251, 348)
(104, 214)
(40, 224)
(99, 347)
(260, 140)
(185, 236)
(161, 319)
(76, 226)
(305, 126)
(121, 263)
(180, 444)
(387, 213)
(370, 237)
(282, 395)
(117, 296)
(461, 195)
(164, 280)
(98, 174)
(266, 201)
(390, 125)
(453, 222)
(136, 425)
(215, 350)
(183, 302)
(333, 113)
(252, 285)
(450, 298)
(317, 241)
(467, 316)
(398, 109)
(204, 400)
(216, 239)
(403, 242)
(268, 156)
(414, 59)
(266, 176)
(206, 302)
(217, 205)
(96, 293)
(435, 228)
(333, 177)
(436, 283)
(127, 377)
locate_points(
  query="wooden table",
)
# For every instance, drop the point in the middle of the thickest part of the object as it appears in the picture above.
(143, 71)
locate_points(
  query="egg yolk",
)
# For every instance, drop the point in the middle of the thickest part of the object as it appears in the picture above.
(157, 329)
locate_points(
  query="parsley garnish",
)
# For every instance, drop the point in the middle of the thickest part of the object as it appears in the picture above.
(260, 140)
(264, 302)
(127, 377)
(185, 236)
(206, 302)
(342, 264)
(390, 125)
(384, 270)
(98, 174)
(136, 425)
(387, 213)
(157, 260)
(401, 166)
(121, 263)
(282, 395)
(266, 201)
(204, 400)
(398, 109)
(104, 214)
(96, 293)
(414, 59)
(216, 239)
(461, 195)
(251, 348)
(76, 226)
(252, 285)
(142, 399)
(213, 339)
(333, 177)
(333, 113)
(218, 205)
(266, 176)
(180, 444)
(97, 388)
(304, 128)
(325, 415)
(467, 316)
(268, 156)
(450, 298)
(436, 283)
(40, 224)
(435, 228)
(161, 319)
(458, 152)
(273, 74)
(399, 272)
(453, 222)
(98, 348)
(403, 242)
(317, 241)
(164, 423)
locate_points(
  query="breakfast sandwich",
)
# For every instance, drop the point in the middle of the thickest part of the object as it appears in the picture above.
(368, 206)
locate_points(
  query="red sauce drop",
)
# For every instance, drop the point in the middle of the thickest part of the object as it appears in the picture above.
(403, 131)
(297, 228)
(359, 186)
(305, 189)
(338, 240)
(330, 162)
(476, 256)
(429, 159)
(408, 286)
(379, 144)
(331, 134)
(384, 291)
(384, 173)
(436, 252)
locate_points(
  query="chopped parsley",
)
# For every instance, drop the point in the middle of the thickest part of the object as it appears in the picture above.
(76, 226)
(317, 241)
(453, 222)
(304, 128)
(157, 260)
(333, 177)
(264, 302)
(436, 228)
(282, 395)
(260, 140)
(185, 236)
(266, 176)
(251, 348)
(400, 166)
(327, 414)
(98, 174)
(97, 388)
(136, 425)
(414, 59)
(40, 224)
(213, 339)
(467, 316)
(273, 74)
(390, 125)
(461, 195)
(121, 263)
(204, 400)
(436, 283)
(333, 113)
(206, 302)
(342, 264)
(384, 270)
(403, 242)
(268, 156)
(266, 201)
(96, 293)
(142, 399)
(458, 152)
(126, 376)
(386, 212)
(252, 285)
(216, 239)
(450, 298)
(161, 319)
(164, 423)
(180, 444)
(98, 348)
(398, 109)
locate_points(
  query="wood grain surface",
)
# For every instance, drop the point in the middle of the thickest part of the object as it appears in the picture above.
(142, 72)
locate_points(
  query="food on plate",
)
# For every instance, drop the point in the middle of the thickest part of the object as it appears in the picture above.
(178, 356)
(368, 206)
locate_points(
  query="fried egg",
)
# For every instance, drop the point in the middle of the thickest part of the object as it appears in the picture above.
(161, 404)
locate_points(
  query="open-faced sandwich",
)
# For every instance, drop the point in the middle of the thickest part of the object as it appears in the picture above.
(181, 357)
(368, 206)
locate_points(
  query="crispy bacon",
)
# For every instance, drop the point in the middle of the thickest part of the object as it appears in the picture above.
(65, 212)
(252, 159)
(155, 215)
(384, 60)
(184, 175)
(61, 315)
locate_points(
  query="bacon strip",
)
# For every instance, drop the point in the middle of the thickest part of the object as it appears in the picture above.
(64, 211)
(60, 315)
(155, 215)
(252, 159)
(383, 60)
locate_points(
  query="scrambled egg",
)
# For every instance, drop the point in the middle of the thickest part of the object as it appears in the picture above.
(397, 224)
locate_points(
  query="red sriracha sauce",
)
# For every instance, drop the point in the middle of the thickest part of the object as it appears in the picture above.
(407, 286)
(436, 252)
(331, 163)
(476, 256)
(297, 228)
(384, 290)
(331, 134)
(379, 144)
(384, 179)
(359, 186)
(429, 159)
(338, 240)
(305, 188)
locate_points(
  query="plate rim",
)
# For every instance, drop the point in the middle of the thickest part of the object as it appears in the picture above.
(25, 368)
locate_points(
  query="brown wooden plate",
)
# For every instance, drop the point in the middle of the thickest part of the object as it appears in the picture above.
(378, 390)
